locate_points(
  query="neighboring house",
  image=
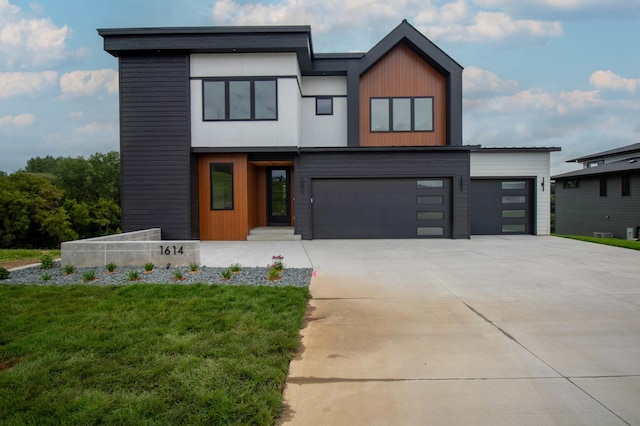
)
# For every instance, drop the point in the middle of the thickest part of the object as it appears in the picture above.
(226, 129)
(603, 196)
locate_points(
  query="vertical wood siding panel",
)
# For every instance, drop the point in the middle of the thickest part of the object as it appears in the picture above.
(155, 144)
(225, 224)
(402, 73)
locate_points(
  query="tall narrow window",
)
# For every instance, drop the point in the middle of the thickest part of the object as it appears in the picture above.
(603, 186)
(265, 100)
(221, 186)
(380, 115)
(626, 185)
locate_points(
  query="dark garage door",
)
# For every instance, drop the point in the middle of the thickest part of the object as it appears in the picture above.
(502, 206)
(381, 208)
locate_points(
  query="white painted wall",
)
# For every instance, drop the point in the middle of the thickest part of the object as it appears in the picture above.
(519, 164)
(244, 65)
(283, 132)
(323, 130)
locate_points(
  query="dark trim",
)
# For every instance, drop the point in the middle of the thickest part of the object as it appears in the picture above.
(353, 105)
(343, 149)
(249, 149)
(478, 148)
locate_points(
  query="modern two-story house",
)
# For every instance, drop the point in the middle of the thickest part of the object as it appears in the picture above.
(602, 198)
(227, 129)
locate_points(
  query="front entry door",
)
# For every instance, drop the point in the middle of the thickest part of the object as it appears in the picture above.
(278, 196)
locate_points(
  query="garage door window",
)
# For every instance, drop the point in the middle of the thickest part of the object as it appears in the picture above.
(513, 185)
(430, 183)
(430, 231)
(513, 228)
(514, 199)
(513, 213)
(430, 215)
(430, 199)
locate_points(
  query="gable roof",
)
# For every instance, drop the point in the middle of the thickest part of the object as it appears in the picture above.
(628, 149)
(420, 44)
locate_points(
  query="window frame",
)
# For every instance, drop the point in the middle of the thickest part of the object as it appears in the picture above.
(211, 194)
(603, 186)
(324, 98)
(227, 100)
(625, 185)
(412, 112)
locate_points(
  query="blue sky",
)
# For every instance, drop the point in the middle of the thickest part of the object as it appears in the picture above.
(560, 73)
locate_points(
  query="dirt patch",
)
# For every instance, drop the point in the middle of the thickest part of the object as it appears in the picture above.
(8, 264)
(6, 364)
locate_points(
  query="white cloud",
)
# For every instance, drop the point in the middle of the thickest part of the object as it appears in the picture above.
(22, 120)
(530, 101)
(98, 127)
(487, 27)
(76, 114)
(26, 41)
(564, 5)
(78, 83)
(480, 82)
(25, 83)
(610, 81)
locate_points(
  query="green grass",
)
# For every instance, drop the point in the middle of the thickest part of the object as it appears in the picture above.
(25, 254)
(146, 354)
(630, 244)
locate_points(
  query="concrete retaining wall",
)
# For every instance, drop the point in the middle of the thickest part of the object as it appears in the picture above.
(130, 249)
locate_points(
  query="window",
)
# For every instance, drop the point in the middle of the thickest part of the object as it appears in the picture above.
(429, 215)
(324, 106)
(430, 199)
(514, 228)
(514, 185)
(603, 186)
(571, 184)
(514, 199)
(626, 185)
(509, 214)
(430, 231)
(430, 183)
(221, 186)
(240, 100)
(401, 114)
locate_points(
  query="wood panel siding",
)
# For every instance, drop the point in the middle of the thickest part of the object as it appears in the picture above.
(385, 164)
(402, 73)
(155, 144)
(225, 224)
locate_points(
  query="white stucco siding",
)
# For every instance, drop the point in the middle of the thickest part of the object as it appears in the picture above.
(324, 86)
(244, 65)
(283, 132)
(323, 130)
(520, 164)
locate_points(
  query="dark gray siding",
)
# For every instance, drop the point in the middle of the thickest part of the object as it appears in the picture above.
(155, 144)
(582, 211)
(383, 164)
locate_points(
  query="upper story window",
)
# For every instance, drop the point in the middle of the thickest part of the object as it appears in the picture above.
(402, 114)
(324, 106)
(240, 99)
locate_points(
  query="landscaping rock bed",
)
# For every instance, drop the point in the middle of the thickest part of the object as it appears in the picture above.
(298, 277)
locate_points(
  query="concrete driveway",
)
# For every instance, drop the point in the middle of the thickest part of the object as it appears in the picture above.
(517, 330)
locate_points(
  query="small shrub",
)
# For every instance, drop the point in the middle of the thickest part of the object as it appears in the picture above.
(148, 267)
(134, 276)
(193, 267)
(235, 268)
(46, 261)
(273, 274)
(111, 266)
(177, 275)
(69, 269)
(46, 277)
(4, 273)
(89, 275)
(226, 274)
(277, 262)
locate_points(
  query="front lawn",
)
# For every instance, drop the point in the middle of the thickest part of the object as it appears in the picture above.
(10, 258)
(146, 354)
(630, 244)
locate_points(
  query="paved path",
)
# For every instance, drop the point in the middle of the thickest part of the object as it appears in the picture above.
(492, 331)
(517, 330)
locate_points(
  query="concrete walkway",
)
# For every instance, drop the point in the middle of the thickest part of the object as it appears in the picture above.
(517, 330)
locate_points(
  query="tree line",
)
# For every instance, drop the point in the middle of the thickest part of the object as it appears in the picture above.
(55, 199)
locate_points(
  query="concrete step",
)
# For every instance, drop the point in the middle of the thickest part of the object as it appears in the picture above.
(273, 233)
